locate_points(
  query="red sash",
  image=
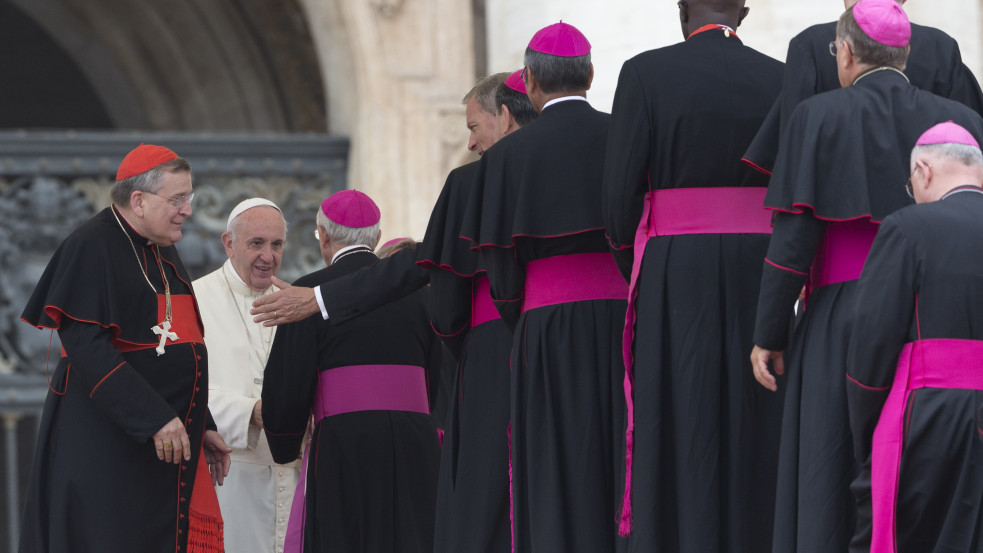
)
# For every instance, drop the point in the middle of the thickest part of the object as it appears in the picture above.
(672, 212)
(922, 364)
(482, 307)
(569, 278)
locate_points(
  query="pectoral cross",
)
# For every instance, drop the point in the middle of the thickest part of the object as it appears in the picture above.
(164, 330)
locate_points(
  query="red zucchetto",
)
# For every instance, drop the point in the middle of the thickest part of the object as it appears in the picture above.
(514, 81)
(142, 159)
(351, 208)
(560, 39)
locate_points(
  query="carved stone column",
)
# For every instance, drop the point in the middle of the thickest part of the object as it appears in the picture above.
(398, 70)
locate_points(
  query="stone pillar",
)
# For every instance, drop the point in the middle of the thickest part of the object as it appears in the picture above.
(395, 72)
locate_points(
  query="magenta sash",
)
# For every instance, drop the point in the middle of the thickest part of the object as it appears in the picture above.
(921, 364)
(672, 212)
(842, 252)
(348, 390)
(570, 278)
(482, 307)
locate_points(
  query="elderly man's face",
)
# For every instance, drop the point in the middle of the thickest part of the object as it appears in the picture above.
(164, 211)
(255, 246)
(482, 127)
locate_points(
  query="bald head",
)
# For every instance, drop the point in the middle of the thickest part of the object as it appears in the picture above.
(694, 14)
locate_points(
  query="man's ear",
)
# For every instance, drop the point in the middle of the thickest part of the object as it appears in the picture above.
(744, 13)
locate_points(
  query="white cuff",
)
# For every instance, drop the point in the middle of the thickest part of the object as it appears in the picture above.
(320, 302)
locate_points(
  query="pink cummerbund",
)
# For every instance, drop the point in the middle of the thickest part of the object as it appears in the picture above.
(723, 210)
(842, 252)
(482, 307)
(570, 278)
(371, 388)
(954, 364)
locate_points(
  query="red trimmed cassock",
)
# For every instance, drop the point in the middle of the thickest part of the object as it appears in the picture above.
(841, 170)
(918, 323)
(97, 484)
(934, 64)
(685, 218)
(534, 215)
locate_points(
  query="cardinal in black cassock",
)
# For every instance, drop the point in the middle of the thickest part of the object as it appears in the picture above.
(840, 171)
(704, 444)
(915, 365)
(108, 474)
(535, 217)
(371, 466)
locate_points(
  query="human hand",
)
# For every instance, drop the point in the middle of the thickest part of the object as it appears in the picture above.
(257, 418)
(217, 456)
(172, 442)
(289, 305)
(759, 362)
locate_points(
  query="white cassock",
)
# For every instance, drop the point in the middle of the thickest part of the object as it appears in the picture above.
(256, 496)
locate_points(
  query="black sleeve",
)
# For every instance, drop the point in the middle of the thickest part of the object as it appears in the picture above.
(883, 314)
(289, 383)
(626, 167)
(450, 308)
(112, 383)
(508, 279)
(965, 89)
(388, 280)
(790, 253)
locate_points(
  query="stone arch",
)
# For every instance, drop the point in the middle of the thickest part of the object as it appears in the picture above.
(184, 65)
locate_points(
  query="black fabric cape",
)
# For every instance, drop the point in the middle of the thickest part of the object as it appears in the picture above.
(538, 195)
(845, 157)
(928, 255)
(706, 435)
(473, 488)
(934, 64)
(96, 483)
(372, 475)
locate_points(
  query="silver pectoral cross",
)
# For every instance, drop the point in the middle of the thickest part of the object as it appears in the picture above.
(164, 330)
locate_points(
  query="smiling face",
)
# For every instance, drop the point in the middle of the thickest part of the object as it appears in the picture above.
(255, 245)
(163, 212)
(482, 127)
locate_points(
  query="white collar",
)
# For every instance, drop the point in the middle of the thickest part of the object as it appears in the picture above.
(563, 99)
(238, 285)
(347, 249)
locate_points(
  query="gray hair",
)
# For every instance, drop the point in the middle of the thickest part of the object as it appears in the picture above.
(558, 73)
(518, 103)
(484, 92)
(349, 236)
(148, 181)
(969, 156)
(866, 49)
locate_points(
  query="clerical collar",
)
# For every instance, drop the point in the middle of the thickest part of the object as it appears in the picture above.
(236, 283)
(131, 230)
(563, 99)
(713, 26)
(348, 250)
(878, 70)
(964, 188)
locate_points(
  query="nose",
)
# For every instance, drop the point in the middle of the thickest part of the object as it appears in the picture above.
(472, 143)
(185, 209)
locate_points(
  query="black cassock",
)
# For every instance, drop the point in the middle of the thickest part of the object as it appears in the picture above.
(473, 488)
(924, 280)
(705, 434)
(97, 484)
(844, 161)
(372, 475)
(934, 64)
(538, 196)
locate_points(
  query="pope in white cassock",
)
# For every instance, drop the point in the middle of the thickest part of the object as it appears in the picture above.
(257, 494)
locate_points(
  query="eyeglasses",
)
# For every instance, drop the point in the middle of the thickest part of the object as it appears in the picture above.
(908, 186)
(523, 74)
(833, 48)
(178, 201)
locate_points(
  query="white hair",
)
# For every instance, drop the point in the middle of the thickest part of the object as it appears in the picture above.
(970, 156)
(348, 236)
